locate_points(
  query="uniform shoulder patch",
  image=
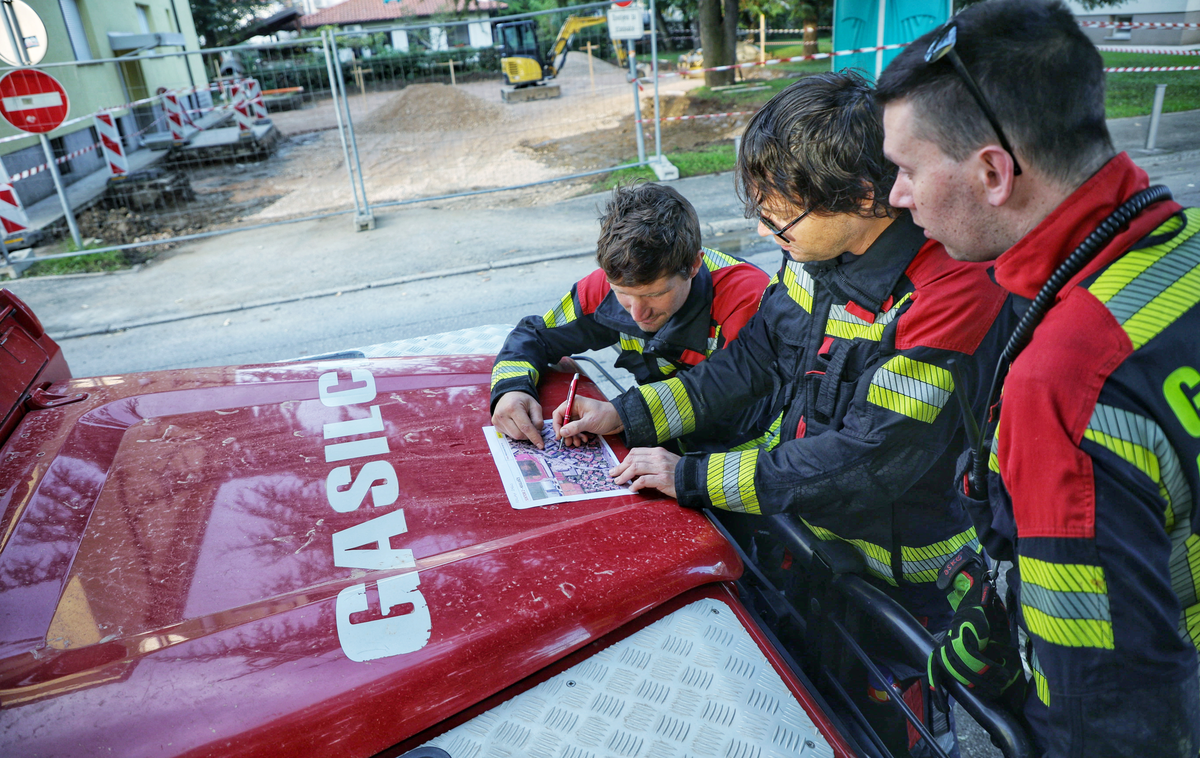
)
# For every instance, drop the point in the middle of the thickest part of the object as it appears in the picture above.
(953, 303)
(592, 289)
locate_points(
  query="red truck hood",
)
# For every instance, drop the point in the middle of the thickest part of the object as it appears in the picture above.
(180, 572)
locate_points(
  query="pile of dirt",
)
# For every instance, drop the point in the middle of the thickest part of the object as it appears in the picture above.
(432, 108)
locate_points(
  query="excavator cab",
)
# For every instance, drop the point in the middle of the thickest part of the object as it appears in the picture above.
(520, 56)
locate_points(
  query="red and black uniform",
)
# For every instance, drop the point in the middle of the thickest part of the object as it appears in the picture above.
(724, 294)
(1096, 472)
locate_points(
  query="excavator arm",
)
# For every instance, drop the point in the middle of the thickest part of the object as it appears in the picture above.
(558, 53)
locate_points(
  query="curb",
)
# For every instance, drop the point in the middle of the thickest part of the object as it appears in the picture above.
(331, 292)
(713, 228)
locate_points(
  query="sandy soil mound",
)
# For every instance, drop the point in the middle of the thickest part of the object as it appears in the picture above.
(432, 108)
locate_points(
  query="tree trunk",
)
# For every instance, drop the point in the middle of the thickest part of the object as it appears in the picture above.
(713, 39)
(664, 34)
(810, 36)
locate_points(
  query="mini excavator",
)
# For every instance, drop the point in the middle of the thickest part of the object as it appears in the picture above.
(526, 71)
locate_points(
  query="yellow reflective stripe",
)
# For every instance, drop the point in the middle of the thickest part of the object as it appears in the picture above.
(922, 564)
(670, 408)
(1063, 577)
(1147, 290)
(1039, 679)
(911, 388)
(993, 454)
(563, 313)
(1066, 603)
(713, 341)
(715, 259)
(1143, 459)
(877, 557)
(729, 480)
(512, 369)
(629, 342)
(1141, 442)
(1068, 632)
(1135, 262)
(848, 330)
(799, 284)
(768, 440)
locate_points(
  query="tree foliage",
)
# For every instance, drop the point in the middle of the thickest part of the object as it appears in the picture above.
(217, 20)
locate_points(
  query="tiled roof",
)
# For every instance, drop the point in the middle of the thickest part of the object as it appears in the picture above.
(364, 11)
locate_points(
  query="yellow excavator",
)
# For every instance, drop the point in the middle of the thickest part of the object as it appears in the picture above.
(521, 57)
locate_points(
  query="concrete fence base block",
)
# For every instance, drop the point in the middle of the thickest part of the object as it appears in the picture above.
(664, 169)
(364, 222)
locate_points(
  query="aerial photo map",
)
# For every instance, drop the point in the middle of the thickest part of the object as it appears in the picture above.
(557, 474)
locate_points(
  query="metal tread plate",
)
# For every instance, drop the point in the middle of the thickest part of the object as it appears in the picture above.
(691, 685)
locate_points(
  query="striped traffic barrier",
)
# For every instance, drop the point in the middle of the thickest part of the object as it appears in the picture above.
(241, 106)
(111, 145)
(174, 111)
(258, 105)
(12, 214)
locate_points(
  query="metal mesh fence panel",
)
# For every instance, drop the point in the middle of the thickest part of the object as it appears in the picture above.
(433, 115)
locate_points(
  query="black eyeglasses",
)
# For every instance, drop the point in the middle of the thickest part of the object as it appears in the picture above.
(780, 232)
(943, 47)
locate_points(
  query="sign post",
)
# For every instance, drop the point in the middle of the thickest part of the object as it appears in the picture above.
(626, 24)
(35, 102)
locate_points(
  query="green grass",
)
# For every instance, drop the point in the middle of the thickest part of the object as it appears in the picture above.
(113, 260)
(1133, 94)
(710, 160)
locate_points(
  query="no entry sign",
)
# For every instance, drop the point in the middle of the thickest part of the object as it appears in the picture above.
(32, 101)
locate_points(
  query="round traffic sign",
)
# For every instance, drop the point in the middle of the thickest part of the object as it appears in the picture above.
(34, 32)
(32, 101)
(622, 3)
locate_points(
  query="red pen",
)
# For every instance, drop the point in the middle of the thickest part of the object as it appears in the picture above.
(571, 398)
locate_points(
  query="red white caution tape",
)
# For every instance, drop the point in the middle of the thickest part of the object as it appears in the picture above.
(1149, 50)
(39, 169)
(703, 115)
(776, 61)
(1142, 69)
(783, 31)
(1140, 24)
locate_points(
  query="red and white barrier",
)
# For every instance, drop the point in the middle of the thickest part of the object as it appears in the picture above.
(1146, 50)
(255, 96)
(175, 117)
(241, 106)
(777, 61)
(111, 145)
(12, 213)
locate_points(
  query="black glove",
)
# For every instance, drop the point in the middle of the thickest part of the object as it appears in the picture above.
(978, 649)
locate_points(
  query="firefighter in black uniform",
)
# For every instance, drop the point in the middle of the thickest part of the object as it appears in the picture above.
(666, 301)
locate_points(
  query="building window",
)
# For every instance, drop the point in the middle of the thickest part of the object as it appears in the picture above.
(143, 15)
(75, 29)
(1121, 31)
(59, 146)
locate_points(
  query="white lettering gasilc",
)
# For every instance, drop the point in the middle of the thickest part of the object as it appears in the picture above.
(403, 623)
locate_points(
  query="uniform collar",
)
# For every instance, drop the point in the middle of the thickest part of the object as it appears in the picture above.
(687, 329)
(869, 279)
(1025, 267)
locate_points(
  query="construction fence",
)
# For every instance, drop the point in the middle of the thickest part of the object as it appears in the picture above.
(349, 123)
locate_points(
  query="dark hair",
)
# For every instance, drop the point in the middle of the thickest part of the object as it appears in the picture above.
(648, 231)
(1037, 70)
(819, 145)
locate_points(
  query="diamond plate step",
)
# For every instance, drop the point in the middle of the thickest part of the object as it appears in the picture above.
(691, 685)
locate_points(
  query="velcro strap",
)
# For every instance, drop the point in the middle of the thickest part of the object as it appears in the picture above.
(827, 396)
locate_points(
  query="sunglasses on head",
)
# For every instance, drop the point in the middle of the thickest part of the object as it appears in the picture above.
(943, 47)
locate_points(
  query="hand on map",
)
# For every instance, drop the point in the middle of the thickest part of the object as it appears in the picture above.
(519, 416)
(647, 467)
(595, 416)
